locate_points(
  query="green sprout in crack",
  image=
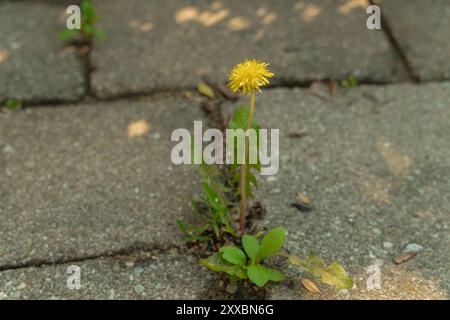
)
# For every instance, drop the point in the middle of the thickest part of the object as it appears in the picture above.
(350, 82)
(212, 208)
(13, 104)
(248, 263)
(89, 19)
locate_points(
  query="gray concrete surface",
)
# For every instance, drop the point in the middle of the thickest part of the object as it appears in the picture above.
(82, 182)
(79, 181)
(150, 46)
(374, 162)
(140, 276)
(35, 65)
(422, 29)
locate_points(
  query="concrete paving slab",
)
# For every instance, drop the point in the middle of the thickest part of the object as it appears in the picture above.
(154, 45)
(374, 163)
(35, 65)
(91, 179)
(144, 276)
(397, 283)
(422, 29)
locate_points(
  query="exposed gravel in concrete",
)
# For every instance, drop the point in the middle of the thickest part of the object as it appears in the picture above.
(141, 276)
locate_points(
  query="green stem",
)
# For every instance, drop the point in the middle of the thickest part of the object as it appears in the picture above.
(243, 204)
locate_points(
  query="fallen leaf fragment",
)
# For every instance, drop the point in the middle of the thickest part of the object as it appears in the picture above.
(138, 128)
(310, 286)
(302, 198)
(3, 55)
(405, 257)
(332, 87)
(333, 274)
(205, 90)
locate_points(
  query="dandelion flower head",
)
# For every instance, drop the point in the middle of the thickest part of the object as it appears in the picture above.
(249, 76)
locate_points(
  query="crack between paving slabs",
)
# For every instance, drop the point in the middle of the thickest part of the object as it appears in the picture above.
(179, 92)
(387, 30)
(124, 252)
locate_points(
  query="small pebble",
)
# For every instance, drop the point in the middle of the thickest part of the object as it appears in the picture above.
(112, 294)
(21, 286)
(376, 231)
(138, 270)
(231, 288)
(387, 245)
(129, 263)
(344, 291)
(413, 247)
(8, 149)
(139, 288)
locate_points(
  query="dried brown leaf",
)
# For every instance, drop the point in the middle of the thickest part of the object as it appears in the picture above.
(332, 87)
(310, 285)
(302, 198)
(405, 257)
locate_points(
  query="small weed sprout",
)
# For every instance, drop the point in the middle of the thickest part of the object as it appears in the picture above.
(247, 264)
(10, 104)
(13, 104)
(89, 19)
(212, 207)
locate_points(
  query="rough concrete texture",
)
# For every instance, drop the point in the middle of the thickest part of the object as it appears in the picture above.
(85, 180)
(150, 46)
(142, 276)
(374, 162)
(397, 283)
(422, 29)
(35, 65)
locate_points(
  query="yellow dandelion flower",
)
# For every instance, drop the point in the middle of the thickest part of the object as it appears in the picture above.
(248, 76)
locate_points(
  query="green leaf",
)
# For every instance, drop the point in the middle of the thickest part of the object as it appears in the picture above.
(258, 275)
(87, 29)
(13, 104)
(68, 34)
(181, 225)
(350, 82)
(233, 255)
(88, 10)
(334, 274)
(275, 275)
(96, 32)
(240, 120)
(251, 246)
(217, 263)
(272, 242)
